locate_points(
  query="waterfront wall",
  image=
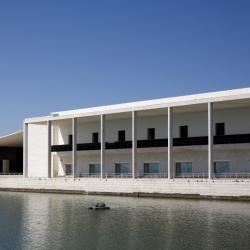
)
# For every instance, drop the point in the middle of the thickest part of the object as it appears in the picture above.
(194, 188)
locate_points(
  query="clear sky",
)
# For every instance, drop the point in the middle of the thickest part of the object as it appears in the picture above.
(59, 55)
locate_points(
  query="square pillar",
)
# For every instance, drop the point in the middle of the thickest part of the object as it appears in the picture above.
(210, 140)
(25, 150)
(170, 142)
(49, 148)
(134, 142)
(102, 145)
(74, 146)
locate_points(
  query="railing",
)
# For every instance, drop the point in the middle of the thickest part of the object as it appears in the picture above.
(152, 143)
(189, 141)
(191, 175)
(232, 175)
(118, 145)
(120, 175)
(11, 173)
(89, 175)
(89, 146)
(154, 175)
(232, 139)
(61, 148)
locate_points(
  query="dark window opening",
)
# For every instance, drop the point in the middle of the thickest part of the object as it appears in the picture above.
(95, 138)
(68, 169)
(184, 131)
(220, 128)
(70, 139)
(151, 133)
(121, 135)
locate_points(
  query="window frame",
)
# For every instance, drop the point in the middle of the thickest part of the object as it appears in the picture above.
(181, 131)
(149, 130)
(119, 135)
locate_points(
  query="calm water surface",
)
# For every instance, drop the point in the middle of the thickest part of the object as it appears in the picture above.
(56, 221)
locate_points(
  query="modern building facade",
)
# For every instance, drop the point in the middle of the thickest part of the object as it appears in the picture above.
(196, 136)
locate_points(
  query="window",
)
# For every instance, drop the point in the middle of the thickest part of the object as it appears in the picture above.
(151, 133)
(151, 168)
(68, 169)
(183, 131)
(183, 167)
(95, 138)
(121, 168)
(70, 139)
(220, 128)
(121, 135)
(221, 167)
(94, 169)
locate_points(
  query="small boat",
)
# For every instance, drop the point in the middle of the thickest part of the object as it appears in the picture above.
(99, 206)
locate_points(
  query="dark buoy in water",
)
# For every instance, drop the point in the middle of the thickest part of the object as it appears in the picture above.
(99, 206)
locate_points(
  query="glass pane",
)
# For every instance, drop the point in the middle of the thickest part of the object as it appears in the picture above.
(153, 168)
(183, 167)
(221, 167)
(124, 168)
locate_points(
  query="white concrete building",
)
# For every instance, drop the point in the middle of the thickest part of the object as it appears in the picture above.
(196, 136)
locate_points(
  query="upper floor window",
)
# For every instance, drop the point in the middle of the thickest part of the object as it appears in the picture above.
(68, 169)
(220, 128)
(121, 135)
(151, 133)
(94, 169)
(184, 131)
(70, 139)
(95, 138)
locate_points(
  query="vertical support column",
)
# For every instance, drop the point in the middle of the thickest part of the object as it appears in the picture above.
(102, 145)
(74, 146)
(25, 150)
(170, 142)
(49, 148)
(134, 142)
(210, 140)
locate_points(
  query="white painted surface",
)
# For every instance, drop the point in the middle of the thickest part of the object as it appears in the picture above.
(38, 150)
(161, 186)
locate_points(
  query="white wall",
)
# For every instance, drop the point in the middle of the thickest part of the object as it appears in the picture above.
(38, 150)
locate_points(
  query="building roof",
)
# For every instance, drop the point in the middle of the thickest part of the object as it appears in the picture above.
(12, 140)
(219, 96)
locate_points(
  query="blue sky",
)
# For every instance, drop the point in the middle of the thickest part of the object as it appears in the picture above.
(59, 55)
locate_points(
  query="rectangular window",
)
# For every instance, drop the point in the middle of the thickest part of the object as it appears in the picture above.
(70, 139)
(220, 128)
(183, 167)
(95, 138)
(183, 131)
(68, 169)
(151, 133)
(121, 135)
(94, 169)
(151, 168)
(121, 168)
(221, 167)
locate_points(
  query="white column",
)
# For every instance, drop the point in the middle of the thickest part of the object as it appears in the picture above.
(170, 142)
(49, 148)
(102, 145)
(134, 142)
(25, 150)
(210, 140)
(74, 146)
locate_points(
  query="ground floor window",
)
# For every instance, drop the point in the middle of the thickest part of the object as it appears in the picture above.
(183, 167)
(221, 167)
(68, 169)
(151, 168)
(121, 168)
(94, 169)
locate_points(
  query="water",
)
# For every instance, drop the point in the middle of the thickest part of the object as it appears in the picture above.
(56, 221)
